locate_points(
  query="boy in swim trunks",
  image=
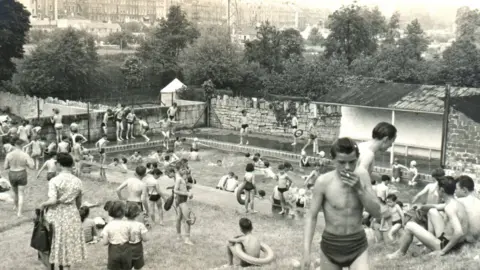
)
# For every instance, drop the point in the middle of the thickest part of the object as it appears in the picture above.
(51, 165)
(250, 243)
(249, 187)
(294, 127)
(283, 186)
(131, 117)
(64, 145)
(244, 127)
(182, 194)
(101, 144)
(342, 194)
(312, 139)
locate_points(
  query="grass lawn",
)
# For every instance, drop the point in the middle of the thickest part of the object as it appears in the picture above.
(213, 227)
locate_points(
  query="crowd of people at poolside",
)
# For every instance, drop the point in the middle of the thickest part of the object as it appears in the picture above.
(356, 208)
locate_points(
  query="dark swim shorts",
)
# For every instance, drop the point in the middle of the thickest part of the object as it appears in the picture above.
(19, 178)
(343, 250)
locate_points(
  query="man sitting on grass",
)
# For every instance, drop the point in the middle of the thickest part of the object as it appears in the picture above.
(249, 242)
(453, 229)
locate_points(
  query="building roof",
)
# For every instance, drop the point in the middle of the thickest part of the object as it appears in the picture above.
(469, 106)
(397, 96)
(173, 86)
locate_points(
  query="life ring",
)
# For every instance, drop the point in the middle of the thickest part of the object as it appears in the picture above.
(237, 250)
(298, 133)
(238, 194)
(169, 202)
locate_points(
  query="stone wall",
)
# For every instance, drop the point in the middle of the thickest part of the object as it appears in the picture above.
(32, 107)
(226, 113)
(187, 116)
(463, 144)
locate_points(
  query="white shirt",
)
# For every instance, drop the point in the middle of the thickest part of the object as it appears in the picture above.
(268, 172)
(231, 184)
(117, 232)
(294, 121)
(222, 181)
(382, 191)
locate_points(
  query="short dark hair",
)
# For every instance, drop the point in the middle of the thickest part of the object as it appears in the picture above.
(261, 192)
(125, 160)
(392, 197)
(384, 129)
(141, 171)
(245, 225)
(17, 141)
(115, 159)
(438, 173)
(266, 164)
(133, 210)
(287, 165)
(65, 160)
(255, 159)
(250, 167)
(247, 155)
(157, 171)
(344, 145)
(78, 138)
(467, 182)
(84, 212)
(400, 204)
(448, 184)
(257, 154)
(117, 210)
(108, 205)
(281, 167)
(385, 178)
(169, 170)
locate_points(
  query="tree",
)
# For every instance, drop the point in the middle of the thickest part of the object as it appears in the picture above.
(291, 42)
(14, 26)
(468, 22)
(352, 32)
(35, 36)
(64, 66)
(133, 70)
(461, 63)
(307, 78)
(170, 38)
(122, 39)
(266, 48)
(132, 27)
(315, 38)
(392, 34)
(213, 57)
(415, 41)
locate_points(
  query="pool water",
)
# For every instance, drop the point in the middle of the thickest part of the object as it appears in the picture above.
(207, 173)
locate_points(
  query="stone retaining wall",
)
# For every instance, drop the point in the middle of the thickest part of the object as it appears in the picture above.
(226, 113)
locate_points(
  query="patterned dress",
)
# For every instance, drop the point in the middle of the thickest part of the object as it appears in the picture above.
(68, 244)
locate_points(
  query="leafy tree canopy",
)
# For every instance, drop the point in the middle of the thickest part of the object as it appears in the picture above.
(14, 26)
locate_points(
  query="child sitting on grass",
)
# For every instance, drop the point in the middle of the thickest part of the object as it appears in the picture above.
(88, 225)
(116, 235)
(138, 235)
(250, 243)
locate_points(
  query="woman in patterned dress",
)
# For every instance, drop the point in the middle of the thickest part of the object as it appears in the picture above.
(64, 200)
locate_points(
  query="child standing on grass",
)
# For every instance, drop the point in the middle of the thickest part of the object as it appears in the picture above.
(398, 217)
(51, 166)
(36, 150)
(138, 234)
(88, 225)
(116, 235)
(283, 186)
(249, 187)
(101, 144)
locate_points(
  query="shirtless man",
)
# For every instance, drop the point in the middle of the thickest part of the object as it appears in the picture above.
(119, 115)
(244, 127)
(465, 193)
(172, 112)
(182, 195)
(166, 130)
(51, 166)
(454, 229)
(137, 192)
(64, 146)
(17, 163)
(383, 136)
(312, 139)
(342, 194)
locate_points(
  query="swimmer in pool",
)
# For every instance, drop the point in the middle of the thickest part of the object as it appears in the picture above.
(244, 127)
(249, 187)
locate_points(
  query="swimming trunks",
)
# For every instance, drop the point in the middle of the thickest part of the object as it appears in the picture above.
(299, 204)
(130, 122)
(140, 204)
(397, 222)
(313, 137)
(304, 163)
(51, 175)
(179, 199)
(395, 172)
(249, 186)
(119, 257)
(171, 117)
(294, 127)
(18, 178)
(444, 242)
(138, 260)
(102, 151)
(154, 197)
(282, 190)
(146, 128)
(343, 250)
(103, 125)
(244, 126)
